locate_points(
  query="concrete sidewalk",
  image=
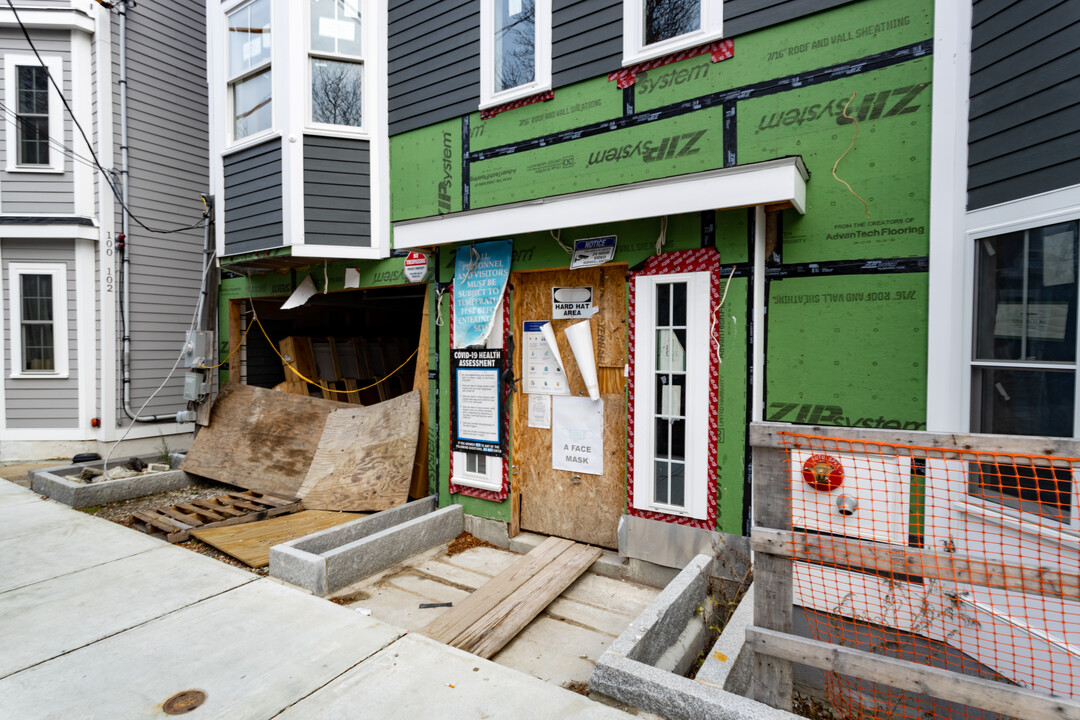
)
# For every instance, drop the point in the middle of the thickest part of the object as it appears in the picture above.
(98, 621)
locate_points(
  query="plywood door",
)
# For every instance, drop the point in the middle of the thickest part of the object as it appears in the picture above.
(581, 507)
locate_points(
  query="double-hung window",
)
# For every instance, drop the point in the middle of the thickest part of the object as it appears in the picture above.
(30, 95)
(652, 28)
(38, 305)
(1023, 368)
(671, 361)
(250, 81)
(336, 63)
(515, 49)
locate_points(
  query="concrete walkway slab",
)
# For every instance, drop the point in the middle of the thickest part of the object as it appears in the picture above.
(57, 547)
(13, 494)
(253, 650)
(455, 685)
(531, 651)
(28, 518)
(90, 604)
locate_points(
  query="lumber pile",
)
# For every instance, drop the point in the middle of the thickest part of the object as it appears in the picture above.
(497, 611)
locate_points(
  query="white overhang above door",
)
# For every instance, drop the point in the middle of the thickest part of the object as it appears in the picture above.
(765, 183)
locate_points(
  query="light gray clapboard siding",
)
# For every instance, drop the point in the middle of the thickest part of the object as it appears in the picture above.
(434, 48)
(29, 193)
(337, 192)
(1025, 99)
(253, 211)
(168, 134)
(40, 402)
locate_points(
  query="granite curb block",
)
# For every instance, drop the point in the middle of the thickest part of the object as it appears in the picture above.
(728, 664)
(327, 561)
(626, 670)
(54, 483)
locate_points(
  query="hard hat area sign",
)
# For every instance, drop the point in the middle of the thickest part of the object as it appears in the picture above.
(571, 302)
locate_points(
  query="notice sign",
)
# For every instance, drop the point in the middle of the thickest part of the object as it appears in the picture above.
(476, 400)
(577, 435)
(480, 274)
(593, 251)
(415, 266)
(571, 302)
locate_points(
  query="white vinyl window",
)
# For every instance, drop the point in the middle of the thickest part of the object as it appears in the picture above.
(652, 28)
(35, 113)
(37, 302)
(515, 49)
(249, 78)
(671, 366)
(335, 62)
(476, 470)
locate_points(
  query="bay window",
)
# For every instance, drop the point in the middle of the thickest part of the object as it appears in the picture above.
(250, 80)
(336, 62)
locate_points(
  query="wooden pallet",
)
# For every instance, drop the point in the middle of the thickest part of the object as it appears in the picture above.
(175, 522)
(496, 612)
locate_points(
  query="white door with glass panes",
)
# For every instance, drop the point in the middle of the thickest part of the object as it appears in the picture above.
(671, 420)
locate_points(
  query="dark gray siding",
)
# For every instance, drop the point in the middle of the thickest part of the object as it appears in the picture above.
(168, 134)
(253, 219)
(434, 48)
(337, 192)
(1025, 99)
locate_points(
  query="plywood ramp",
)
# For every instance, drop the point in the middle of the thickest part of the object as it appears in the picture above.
(496, 612)
(251, 543)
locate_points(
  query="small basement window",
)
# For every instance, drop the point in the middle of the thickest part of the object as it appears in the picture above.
(1044, 491)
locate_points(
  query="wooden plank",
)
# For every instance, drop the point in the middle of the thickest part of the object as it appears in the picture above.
(236, 331)
(215, 506)
(185, 518)
(774, 594)
(927, 563)
(297, 349)
(200, 512)
(950, 446)
(155, 521)
(418, 487)
(260, 439)
(250, 543)
(1008, 700)
(502, 624)
(447, 627)
(353, 397)
(364, 460)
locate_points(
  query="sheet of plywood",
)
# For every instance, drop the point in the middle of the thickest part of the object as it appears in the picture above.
(251, 543)
(260, 439)
(364, 460)
(419, 485)
(555, 502)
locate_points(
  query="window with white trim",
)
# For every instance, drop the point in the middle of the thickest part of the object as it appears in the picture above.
(335, 62)
(38, 308)
(30, 95)
(477, 470)
(652, 28)
(249, 78)
(515, 50)
(1023, 367)
(671, 413)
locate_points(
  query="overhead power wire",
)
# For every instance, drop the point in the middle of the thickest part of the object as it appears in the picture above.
(13, 119)
(105, 174)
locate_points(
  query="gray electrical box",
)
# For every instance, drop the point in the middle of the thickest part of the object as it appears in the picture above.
(196, 385)
(199, 348)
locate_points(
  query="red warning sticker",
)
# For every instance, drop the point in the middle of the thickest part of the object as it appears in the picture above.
(823, 472)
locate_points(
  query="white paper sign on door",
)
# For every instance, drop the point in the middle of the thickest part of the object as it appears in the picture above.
(577, 435)
(540, 411)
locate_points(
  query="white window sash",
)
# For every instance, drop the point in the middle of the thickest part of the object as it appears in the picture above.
(697, 403)
(367, 41)
(55, 66)
(634, 48)
(58, 271)
(542, 79)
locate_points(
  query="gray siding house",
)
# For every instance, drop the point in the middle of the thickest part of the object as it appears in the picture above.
(61, 250)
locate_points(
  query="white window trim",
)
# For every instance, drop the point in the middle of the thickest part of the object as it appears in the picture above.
(493, 479)
(55, 66)
(368, 40)
(697, 403)
(231, 140)
(60, 319)
(634, 49)
(542, 82)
